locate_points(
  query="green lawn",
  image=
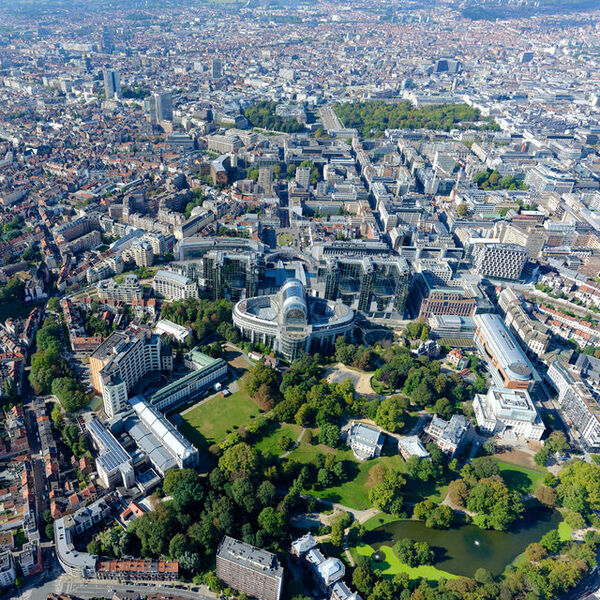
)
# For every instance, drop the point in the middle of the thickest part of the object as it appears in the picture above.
(355, 493)
(564, 531)
(378, 520)
(269, 444)
(392, 565)
(379, 387)
(210, 422)
(522, 479)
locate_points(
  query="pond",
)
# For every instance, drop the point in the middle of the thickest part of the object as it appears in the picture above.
(462, 550)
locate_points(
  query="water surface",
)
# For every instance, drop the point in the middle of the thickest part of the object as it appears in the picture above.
(462, 550)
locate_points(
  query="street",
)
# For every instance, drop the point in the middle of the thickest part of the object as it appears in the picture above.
(329, 118)
(98, 589)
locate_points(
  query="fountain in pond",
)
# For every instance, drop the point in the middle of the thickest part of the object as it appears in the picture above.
(477, 542)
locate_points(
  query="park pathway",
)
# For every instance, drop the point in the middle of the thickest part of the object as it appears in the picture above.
(296, 443)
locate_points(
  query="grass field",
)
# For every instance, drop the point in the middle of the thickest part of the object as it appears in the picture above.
(521, 479)
(392, 565)
(210, 422)
(269, 444)
(355, 493)
(564, 531)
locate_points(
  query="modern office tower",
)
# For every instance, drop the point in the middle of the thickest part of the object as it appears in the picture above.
(500, 261)
(173, 286)
(161, 107)
(249, 570)
(375, 286)
(112, 83)
(216, 68)
(265, 181)
(291, 322)
(193, 248)
(222, 274)
(129, 290)
(509, 414)
(108, 44)
(121, 361)
(303, 177)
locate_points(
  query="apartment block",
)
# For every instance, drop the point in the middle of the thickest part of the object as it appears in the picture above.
(249, 570)
(128, 290)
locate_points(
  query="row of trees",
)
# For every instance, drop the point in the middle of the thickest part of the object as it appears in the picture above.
(50, 372)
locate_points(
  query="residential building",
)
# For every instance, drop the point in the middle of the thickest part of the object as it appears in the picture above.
(127, 291)
(122, 360)
(66, 529)
(577, 398)
(8, 573)
(249, 570)
(366, 441)
(138, 570)
(143, 255)
(173, 286)
(533, 334)
(511, 414)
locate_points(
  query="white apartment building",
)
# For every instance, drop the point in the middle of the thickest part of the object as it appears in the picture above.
(128, 290)
(173, 286)
(508, 413)
(577, 401)
(121, 361)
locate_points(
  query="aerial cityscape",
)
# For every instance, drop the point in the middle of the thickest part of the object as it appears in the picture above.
(300, 300)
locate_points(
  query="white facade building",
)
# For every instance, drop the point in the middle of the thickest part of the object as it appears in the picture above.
(508, 413)
(173, 286)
